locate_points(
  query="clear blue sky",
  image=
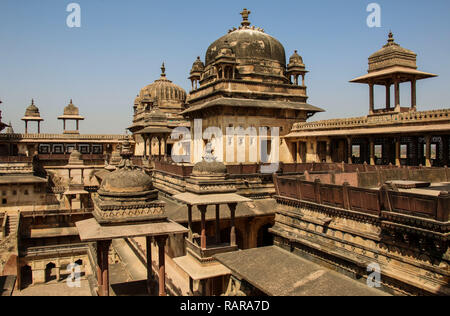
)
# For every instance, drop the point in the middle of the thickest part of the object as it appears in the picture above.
(121, 45)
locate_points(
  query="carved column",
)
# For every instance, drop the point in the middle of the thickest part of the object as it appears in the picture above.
(26, 127)
(371, 99)
(349, 150)
(372, 151)
(190, 222)
(202, 209)
(148, 245)
(388, 96)
(397, 152)
(328, 152)
(298, 153)
(428, 151)
(413, 94)
(217, 224)
(145, 145)
(103, 267)
(161, 240)
(397, 95)
(232, 207)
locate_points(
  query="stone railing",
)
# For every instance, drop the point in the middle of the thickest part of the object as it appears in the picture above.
(380, 120)
(368, 201)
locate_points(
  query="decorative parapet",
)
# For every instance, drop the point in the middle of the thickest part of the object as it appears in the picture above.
(367, 121)
(23, 137)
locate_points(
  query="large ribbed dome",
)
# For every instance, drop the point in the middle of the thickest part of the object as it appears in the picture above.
(254, 54)
(248, 43)
(163, 90)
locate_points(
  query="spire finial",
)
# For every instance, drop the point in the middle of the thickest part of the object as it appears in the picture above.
(391, 37)
(245, 13)
(32, 101)
(163, 70)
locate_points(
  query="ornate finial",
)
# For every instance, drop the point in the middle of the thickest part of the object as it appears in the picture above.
(32, 101)
(391, 37)
(163, 70)
(245, 13)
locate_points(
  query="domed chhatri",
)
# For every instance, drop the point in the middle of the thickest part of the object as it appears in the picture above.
(127, 194)
(392, 54)
(210, 176)
(162, 93)
(196, 72)
(296, 68)
(32, 114)
(32, 111)
(71, 113)
(164, 90)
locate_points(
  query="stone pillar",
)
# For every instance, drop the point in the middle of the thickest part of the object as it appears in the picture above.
(202, 209)
(218, 224)
(372, 151)
(26, 127)
(328, 155)
(298, 153)
(232, 207)
(397, 152)
(349, 150)
(159, 147)
(190, 222)
(39, 127)
(78, 125)
(371, 99)
(303, 79)
(145, 145)
(428, 151)
(413, 95)
(397, 95)
(102, 253)
(388, 96)
(161, 240)
(148, 244)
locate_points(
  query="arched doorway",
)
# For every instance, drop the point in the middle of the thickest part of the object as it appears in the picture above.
(26, 276)
(49, 272)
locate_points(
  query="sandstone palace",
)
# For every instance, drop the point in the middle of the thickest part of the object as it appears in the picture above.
(186, 203)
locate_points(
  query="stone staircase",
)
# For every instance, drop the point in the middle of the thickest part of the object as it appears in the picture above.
(11, 225)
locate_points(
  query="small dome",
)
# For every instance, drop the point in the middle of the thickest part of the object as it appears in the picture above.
(124, 180)
(209, 168)
(296, 60)
(32, 110)
(71, 109)
(197, 66)
(164, 90)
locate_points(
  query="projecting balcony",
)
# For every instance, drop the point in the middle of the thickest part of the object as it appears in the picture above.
(212, 248)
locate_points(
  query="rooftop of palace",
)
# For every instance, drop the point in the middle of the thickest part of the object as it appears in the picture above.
(406, 120)
(61, 137)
